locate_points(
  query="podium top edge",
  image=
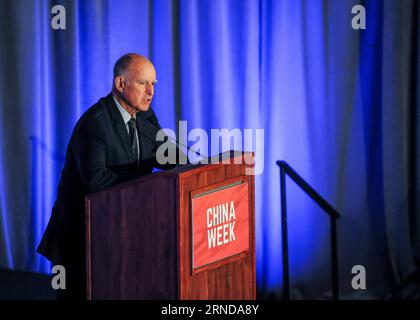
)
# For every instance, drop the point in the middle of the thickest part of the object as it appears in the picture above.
(219, 159)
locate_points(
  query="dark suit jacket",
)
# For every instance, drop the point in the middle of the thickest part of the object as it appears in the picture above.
(98, 156)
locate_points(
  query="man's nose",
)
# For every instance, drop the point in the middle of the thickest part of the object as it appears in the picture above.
(149, 89)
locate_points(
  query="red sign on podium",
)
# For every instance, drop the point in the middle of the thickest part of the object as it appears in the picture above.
(220, 223)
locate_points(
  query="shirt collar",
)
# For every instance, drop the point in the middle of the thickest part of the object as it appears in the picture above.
(126, 116)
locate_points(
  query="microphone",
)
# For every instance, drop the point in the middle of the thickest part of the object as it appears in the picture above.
(152, 119)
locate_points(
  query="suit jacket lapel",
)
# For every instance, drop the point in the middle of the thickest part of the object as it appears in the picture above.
(147, 131)
(120, 127)
(142, 132)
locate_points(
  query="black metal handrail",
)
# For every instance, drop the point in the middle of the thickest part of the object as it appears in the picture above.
(285, 168)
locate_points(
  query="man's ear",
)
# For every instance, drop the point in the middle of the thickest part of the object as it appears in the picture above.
(119, 83)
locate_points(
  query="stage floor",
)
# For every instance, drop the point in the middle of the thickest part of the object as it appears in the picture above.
(20, 285)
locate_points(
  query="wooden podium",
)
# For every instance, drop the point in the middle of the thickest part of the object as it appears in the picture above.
(185, 233)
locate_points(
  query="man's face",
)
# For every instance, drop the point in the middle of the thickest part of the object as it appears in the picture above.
(139, 82)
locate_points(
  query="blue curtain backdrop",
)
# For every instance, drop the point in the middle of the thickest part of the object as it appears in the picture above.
(339, 105)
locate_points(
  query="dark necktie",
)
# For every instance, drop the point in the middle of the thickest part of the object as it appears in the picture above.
(134, 138)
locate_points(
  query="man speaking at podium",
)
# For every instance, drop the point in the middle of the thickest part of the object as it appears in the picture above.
(114, 141)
